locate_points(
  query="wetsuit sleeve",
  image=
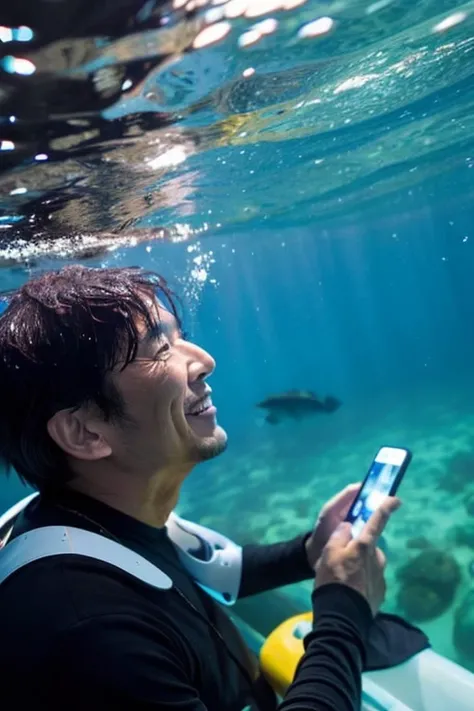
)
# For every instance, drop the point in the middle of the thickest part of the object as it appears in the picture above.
(265, 567)
(329, 675)
(134, 667)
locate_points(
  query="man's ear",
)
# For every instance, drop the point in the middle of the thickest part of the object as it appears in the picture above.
(78, 433)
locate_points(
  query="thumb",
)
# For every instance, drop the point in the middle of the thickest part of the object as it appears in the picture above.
(341, 536)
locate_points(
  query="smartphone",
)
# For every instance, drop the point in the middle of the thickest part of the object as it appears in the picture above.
(383, 479)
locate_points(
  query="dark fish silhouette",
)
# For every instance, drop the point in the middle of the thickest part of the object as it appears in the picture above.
(296, 404)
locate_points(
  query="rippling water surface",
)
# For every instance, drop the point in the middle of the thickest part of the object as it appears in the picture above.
(172, 120)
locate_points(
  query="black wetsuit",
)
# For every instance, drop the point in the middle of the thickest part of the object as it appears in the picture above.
(78, 634)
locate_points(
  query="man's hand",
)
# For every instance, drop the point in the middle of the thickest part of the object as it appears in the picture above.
(358, 563)
(332, 514)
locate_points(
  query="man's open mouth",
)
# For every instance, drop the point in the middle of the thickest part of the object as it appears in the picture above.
(201, 407)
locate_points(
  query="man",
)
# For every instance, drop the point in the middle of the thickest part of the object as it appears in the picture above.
(105, 410)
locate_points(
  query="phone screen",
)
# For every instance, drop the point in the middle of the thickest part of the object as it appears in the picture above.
(382, 480)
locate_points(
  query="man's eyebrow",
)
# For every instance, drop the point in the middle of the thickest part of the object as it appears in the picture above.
(155, 332)
(161, 328)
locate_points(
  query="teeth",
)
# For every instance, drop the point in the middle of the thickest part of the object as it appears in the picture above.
(203, 406)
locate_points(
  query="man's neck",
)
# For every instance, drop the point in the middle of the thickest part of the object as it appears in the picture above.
(149, 500)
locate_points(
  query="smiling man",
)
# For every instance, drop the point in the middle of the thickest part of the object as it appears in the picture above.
(105, 410)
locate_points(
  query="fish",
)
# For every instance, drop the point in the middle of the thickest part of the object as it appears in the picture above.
(297, 405)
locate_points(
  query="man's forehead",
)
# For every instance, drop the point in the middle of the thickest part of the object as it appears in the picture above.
(163, 320)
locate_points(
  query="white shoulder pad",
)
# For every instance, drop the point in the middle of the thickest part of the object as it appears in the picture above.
(212, 560)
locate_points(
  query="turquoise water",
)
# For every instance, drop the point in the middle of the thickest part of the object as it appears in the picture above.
(312, 201)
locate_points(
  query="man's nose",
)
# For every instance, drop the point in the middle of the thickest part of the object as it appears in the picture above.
(202, 364)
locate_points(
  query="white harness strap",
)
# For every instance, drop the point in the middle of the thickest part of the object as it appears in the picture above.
(213, 561)
(59, 540)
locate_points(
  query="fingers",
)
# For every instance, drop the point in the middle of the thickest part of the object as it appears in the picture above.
(350, 491)
(346, 498)
(343, 500)
(345, 495)
(381, 558)
(377, 522)
(355, 486)
(341, 536)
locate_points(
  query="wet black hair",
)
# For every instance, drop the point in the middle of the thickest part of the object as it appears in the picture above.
(61, 335)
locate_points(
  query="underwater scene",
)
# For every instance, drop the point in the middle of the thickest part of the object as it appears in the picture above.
(304, 179)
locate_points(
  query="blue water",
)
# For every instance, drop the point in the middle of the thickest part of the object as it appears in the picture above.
(320, 229)
(380, 317)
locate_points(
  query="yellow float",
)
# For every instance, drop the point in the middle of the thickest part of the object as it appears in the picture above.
(283, 649)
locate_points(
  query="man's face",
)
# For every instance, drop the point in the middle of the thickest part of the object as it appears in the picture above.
(169, 416)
